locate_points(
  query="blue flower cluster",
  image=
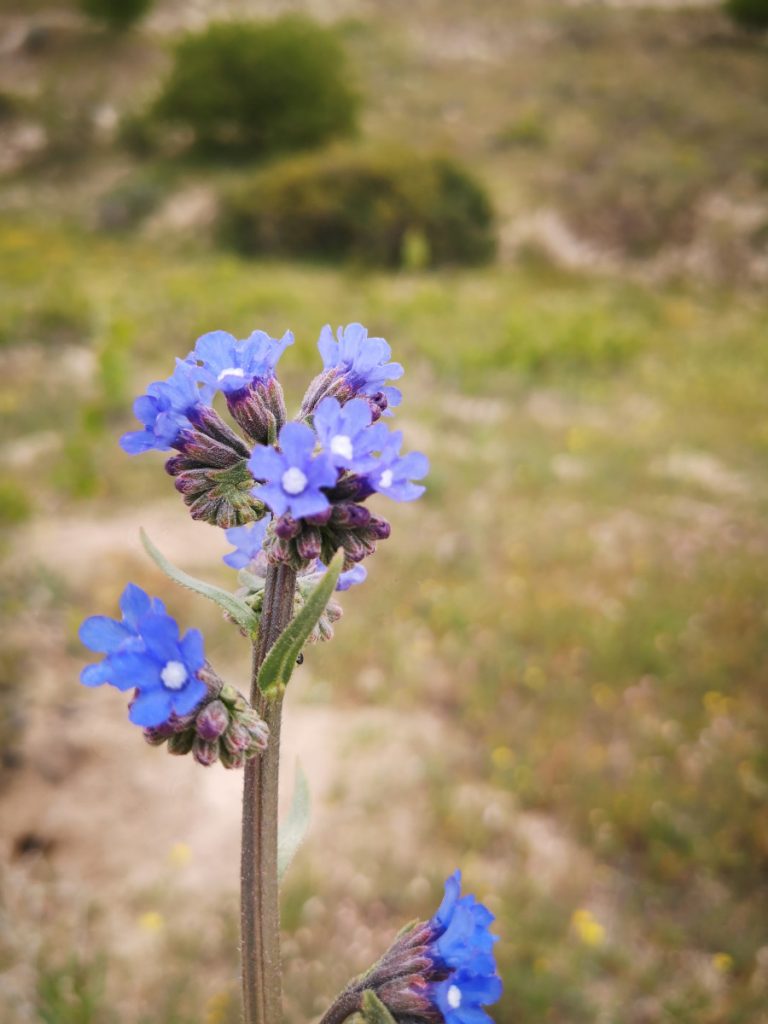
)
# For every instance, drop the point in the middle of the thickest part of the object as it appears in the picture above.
(143, 651)
(313, 474)
(443, 968)
(463, 944)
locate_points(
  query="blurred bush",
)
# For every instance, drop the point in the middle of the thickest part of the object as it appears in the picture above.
(117, 15)
(750, 13)
(259, 88)
(377, 208)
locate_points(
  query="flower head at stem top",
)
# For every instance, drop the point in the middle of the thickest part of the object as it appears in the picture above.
(293, 477)
(145, 652)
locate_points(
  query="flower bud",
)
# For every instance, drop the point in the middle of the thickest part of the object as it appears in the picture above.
(308, 543)
(181, 742)
(212, 721)
(286, 527)
(204, 752)
(236, 739)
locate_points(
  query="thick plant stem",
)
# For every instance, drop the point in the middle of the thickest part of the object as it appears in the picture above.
(259, 890)
(346, 1004)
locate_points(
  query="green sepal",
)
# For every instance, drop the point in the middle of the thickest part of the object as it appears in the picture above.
(281, 660)
(373, 1010)
(233, 606)
(292, 831)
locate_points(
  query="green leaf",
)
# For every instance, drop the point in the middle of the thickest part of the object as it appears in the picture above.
(232, 605)
(374, 1011)
(281, 660)
(292, 831)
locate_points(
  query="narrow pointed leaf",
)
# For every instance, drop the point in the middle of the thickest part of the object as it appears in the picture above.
(281, 660)
(374, 1011)
(292, 831)
(232, 605)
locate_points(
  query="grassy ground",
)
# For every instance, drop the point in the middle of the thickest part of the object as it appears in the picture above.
(564, 642)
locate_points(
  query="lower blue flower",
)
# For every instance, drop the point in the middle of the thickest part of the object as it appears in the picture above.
(247, 541)
(462, 996)
(461, 935)
(145, 652)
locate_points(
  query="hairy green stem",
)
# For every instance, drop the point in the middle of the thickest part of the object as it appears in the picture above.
(259, 889)
(345, 1005)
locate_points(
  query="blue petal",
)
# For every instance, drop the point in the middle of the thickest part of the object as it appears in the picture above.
(103, 634)
(161, 635)
(193, 650)
(185, 700)
(134, 603)
(265, 463)
(297, 442)
(134, 670)
(96, 675)
(151, 709)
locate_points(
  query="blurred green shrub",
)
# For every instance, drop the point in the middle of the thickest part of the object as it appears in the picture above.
(750, 13)
(117, 15)
(377, 208)
(126, 205)
(259, 88)
(15, 506)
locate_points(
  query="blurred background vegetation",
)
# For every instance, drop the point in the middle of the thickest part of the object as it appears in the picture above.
(557, 212)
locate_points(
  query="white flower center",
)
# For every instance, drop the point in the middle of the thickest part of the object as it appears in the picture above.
(385, 480)
(231, 371)
(294, 481)
(342, 445)
(454, 997)
(174, 675)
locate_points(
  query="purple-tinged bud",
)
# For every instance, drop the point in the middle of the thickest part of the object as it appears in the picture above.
(207, 450)
(181, 742)
(309, 543)
(259, 733)
(380, 527)
(287, 527)
(212, 721)
(157, 735)
(208, 422)
(354, 549)
(350, 487)
(236, 739)
(177, 463)
(350, 514)
(250, 412)
(232, 759)
(378, 404)
(193, 481)
(204, 752)
(320, 518)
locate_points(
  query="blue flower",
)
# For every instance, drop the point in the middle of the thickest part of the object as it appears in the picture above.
(231, 366)
(460, 998)
(292, 477)
(347, 435)
(248, 542)
(362, 361)
(351, 578)
(164, 410)
(144, 652)
(393, 472)
(461, 931)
